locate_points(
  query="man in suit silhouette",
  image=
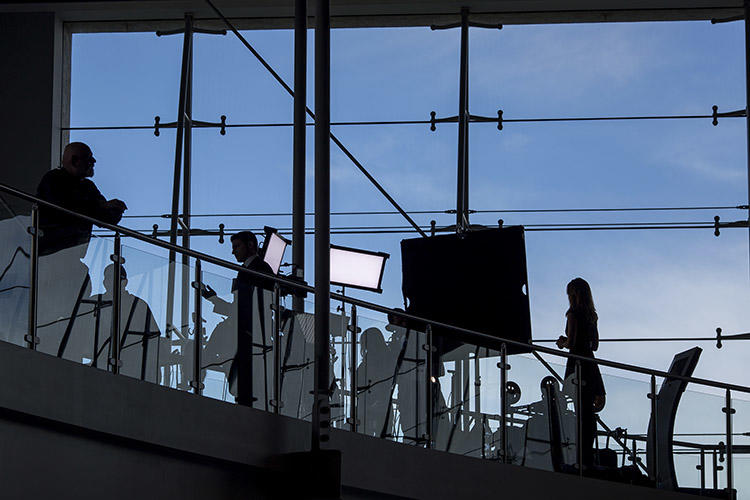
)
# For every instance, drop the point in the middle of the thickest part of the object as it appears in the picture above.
(244, 287)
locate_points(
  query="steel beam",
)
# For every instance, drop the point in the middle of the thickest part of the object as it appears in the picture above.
(31, 337)
(187, 45)
(187, 187)
(462, 184)
(300, 142)
(747, 108)
(322, 410)
(114, 338)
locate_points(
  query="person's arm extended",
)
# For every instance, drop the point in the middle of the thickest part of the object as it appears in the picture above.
(221, 306)
(99, 207)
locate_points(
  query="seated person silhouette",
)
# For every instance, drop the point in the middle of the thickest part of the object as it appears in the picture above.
(245, 317)
(406, 348)
(374, 381)
(582, 338)
(139, 333)
(409, 371)
(63, 242)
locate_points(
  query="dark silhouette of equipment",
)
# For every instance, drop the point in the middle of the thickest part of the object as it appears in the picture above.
(661, 429)
(475, 280)
(550, 388)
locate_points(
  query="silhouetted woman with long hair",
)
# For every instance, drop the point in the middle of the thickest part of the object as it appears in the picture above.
(582, 338)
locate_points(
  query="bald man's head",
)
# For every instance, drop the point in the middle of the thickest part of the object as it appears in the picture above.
(78, 160)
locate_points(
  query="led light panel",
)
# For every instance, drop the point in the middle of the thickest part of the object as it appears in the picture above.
(275, 247)
(357, 268)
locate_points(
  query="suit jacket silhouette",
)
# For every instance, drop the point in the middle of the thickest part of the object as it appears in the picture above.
(245, 288)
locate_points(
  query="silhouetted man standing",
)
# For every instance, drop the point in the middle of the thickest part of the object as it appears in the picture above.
(244, 287)
(69, 187)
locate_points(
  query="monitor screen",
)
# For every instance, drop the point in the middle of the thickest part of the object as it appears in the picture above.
(275, 246)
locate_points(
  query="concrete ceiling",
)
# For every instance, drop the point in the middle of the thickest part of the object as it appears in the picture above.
(128, 15)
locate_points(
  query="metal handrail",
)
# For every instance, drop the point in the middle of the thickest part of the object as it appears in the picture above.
(472, 336)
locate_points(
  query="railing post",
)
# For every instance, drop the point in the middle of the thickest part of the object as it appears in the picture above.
(462, 184)
(746, 6)
(484, 437)
(299, 141)
(504, 401)
(477, 383)
(114, 338)
(429, 392)
(321, 418)
(198, 331)
(353, 371)
(653, 396)
(729, 411)
(716, 468)
(702, 468)
(276, 349)
(31, 338)
(579, 417)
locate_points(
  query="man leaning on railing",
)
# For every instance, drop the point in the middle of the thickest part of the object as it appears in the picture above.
(69, 187)
(64, 322)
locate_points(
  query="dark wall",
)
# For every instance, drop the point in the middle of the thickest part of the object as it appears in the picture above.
(43, 461)
(31, 65)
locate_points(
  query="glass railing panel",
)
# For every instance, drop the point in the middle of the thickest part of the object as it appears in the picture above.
(408, 385)
(700, 426)
(622, 427)
(15, 245)
(464, 416)
(156, 317)
(741, 444)
(237, 347)
(340, 363)
(390, 379)
(742, 476)
(219, 338)
(231, 316)
(297, 346)
(541, 415)
(73, 315)
(374, 377)
(485, 402)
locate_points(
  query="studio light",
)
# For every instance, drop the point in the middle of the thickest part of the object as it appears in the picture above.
(274, 247)
(357, 268)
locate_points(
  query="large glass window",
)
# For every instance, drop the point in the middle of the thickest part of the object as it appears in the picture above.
(649, 277)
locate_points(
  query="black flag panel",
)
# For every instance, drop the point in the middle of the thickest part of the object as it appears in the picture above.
(476, 281)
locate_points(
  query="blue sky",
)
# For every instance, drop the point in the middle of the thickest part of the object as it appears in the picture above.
(645, 283)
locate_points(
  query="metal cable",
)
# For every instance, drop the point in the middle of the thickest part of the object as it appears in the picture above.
(406, 229)
(449, 212)
(409, 122)
(646, 339)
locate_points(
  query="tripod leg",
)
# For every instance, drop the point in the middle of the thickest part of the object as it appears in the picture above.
(96, 329)
(262, 323)
(144, 342)
(71, 321)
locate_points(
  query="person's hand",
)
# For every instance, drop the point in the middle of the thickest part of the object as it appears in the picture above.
(118, 205)
(562, 342)
(207, 292)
